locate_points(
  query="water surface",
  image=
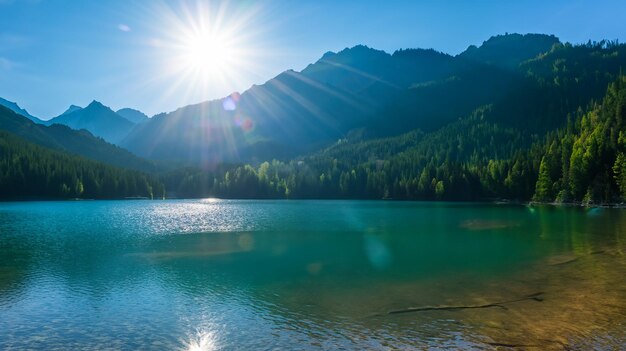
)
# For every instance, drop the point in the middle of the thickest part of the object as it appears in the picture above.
(217, 274)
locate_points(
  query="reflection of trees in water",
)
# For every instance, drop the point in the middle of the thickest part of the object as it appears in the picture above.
(16, 259)
(579, 230)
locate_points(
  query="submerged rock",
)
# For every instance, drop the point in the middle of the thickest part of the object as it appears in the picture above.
(480, 224)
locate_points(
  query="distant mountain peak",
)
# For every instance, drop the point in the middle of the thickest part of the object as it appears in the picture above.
(71, 109)
(132, 115)
(411, 53)
(360, 49)
(510, 39)
(17, 109)
(518, 36)
(96, 103)
(510, 49)
(328, 54)
(98, 119)
(352, 56)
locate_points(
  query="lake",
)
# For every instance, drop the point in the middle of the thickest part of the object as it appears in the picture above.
(252, 275)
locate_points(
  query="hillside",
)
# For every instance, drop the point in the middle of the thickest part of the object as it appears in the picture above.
(63, 138)
(474, 158)
(29, 171)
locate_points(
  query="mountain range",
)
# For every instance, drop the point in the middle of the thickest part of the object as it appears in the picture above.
(358, 89)
(100, 120)
(62, 138)
(527, 85)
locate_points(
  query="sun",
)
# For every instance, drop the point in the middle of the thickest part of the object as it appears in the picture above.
(208, 54)
(207, 49)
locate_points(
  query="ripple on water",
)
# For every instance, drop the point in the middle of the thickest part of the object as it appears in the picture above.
(313, 274)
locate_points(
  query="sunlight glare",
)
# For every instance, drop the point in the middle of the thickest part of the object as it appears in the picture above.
(208, 53)
(202, 341)
(208, 47)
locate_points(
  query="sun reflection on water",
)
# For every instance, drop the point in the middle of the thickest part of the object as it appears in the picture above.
(210, 200)
(203, 340)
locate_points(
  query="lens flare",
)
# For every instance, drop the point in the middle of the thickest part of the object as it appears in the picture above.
(244, 123)
(229, 103)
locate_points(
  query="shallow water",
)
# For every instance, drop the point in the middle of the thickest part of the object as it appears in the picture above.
(217, 274)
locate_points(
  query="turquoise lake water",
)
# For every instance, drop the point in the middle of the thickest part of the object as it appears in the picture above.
(257, 275)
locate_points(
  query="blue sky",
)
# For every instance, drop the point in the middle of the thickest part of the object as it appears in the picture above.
(54, 53)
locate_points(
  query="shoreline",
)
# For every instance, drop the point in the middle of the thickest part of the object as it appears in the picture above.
(616, 205)
(620, 205)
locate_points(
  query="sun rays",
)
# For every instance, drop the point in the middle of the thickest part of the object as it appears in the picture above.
(208, 54)
(207, 48)
(204, 51)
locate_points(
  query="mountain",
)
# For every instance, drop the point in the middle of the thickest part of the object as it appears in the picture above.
(98, 119)
(473, 158)
(292, 113)
(71, 109)
(63, 138)
(508, 51)
(290, 110)
(358, 88)
(132, 115)
(365, 71)
(17, 109)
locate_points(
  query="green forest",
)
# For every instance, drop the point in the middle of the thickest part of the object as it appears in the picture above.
(29, 171)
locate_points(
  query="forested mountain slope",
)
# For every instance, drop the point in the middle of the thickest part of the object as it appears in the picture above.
(471, 159)
(29, 171)
(62, 138)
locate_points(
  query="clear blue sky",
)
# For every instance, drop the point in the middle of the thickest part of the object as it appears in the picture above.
(55, 53)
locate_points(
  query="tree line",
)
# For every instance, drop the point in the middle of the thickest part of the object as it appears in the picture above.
(29, 171)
